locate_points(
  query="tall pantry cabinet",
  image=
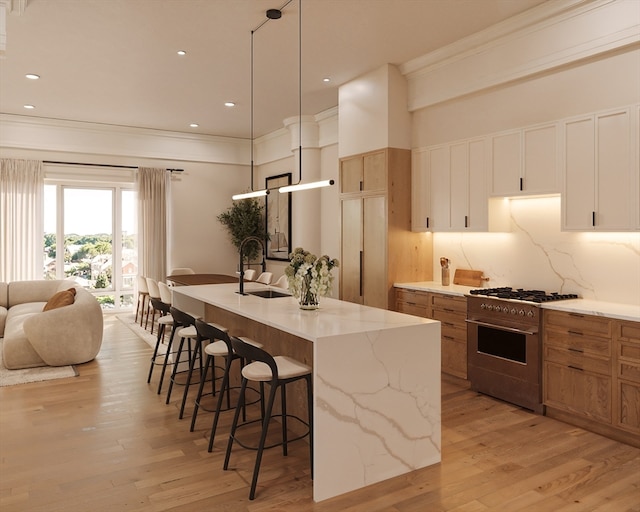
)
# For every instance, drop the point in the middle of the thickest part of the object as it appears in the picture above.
(377, 245)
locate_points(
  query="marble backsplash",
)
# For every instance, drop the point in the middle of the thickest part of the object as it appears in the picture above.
(537, 255)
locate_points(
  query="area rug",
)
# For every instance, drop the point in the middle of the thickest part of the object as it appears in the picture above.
(13, 377)
(143, 334)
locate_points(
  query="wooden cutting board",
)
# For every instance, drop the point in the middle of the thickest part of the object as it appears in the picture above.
(468, 277)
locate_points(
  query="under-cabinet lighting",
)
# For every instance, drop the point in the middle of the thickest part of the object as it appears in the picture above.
(248, 195)
(306, 186)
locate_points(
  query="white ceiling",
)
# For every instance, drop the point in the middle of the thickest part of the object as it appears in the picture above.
(116, 62)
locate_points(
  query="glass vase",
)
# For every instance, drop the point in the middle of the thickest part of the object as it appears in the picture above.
(308, 299)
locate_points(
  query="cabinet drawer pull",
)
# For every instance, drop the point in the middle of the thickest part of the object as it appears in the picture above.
(448, 310)
(577, 315)
(427, 222)
(593, 219)
(448, 324)
(575, 368)
(521, 183)
(466, 221)
(448, 338)
(571, 349)
(575, 333)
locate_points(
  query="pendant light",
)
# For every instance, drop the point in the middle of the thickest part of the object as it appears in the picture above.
(315, 184)
(271, 14)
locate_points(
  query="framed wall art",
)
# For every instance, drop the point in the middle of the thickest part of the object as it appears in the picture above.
(278, 215)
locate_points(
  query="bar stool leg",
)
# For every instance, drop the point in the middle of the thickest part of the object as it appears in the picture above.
(155, 351)
(196, 406)
(224, 388)
(234, 423)
(166, 357)
(263, 438)
(197, 352)
(175, 368)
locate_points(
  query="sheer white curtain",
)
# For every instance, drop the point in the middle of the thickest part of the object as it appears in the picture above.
(21, 219)
(152, 187)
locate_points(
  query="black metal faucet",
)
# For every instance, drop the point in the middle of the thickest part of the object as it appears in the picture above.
(264, 263)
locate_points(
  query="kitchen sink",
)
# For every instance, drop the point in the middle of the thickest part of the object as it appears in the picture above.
(268, 294)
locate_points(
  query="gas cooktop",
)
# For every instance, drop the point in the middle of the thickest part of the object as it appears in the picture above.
(520, 294)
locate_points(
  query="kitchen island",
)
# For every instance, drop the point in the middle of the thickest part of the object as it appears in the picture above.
(376, 378)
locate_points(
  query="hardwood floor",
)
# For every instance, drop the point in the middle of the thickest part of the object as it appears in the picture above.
(106, 441)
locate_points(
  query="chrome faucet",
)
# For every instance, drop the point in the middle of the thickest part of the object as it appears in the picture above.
(242, 244)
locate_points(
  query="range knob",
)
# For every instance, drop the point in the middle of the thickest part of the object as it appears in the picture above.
(483, 306)
(505, 309)
(521, 312)
(530, 314)
(513, 311)
(489, 307)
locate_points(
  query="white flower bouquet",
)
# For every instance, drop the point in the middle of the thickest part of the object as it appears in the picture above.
(309, 276)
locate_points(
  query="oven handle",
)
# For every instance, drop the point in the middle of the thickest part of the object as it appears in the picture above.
(531, 332)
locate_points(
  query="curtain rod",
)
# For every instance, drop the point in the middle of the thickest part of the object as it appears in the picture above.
(102, 165)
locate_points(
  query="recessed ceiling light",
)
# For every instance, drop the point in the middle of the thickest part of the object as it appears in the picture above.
(32, 76)
(229, 104)
(181, 52)
(326, 79)
(30, 107)
(194, 125)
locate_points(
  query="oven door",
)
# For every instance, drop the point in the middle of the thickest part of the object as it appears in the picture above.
(504, 362)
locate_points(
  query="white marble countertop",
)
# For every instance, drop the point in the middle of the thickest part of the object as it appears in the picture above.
(597, 308)
(584, 306)
(433, 286)
(334, 318)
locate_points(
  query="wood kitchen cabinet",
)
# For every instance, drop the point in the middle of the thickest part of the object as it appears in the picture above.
(378, 247)
(451, 312)
(451, 192)
(525, 161)
(591, 373)
(600, 172)
(627, 376)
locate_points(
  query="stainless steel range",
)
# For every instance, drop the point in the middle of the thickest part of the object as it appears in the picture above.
(504, 346)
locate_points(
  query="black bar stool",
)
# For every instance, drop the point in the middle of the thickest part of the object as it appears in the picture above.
(184, 327)
(278, 371)
(216, 347)
(164, 320)
(220, 346)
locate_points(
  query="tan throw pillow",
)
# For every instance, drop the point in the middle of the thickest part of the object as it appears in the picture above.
(64, 298)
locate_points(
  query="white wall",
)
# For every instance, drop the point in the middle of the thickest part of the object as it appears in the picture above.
(536, 254)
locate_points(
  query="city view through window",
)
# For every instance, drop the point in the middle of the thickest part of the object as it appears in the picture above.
(88, 221)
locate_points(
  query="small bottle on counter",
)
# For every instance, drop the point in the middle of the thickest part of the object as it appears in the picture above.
(445, 276)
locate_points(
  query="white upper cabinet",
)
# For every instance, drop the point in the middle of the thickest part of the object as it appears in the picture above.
(450, 194)
(524, 162)
(420, 207)
(600, 189)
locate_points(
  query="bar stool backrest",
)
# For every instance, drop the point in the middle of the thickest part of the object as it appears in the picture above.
(211, 331)
(142, 285)
(154, 291)
(165, 293)
(251, 353)
(180, 318)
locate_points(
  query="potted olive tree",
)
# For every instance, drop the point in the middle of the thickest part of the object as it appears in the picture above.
(243, 219)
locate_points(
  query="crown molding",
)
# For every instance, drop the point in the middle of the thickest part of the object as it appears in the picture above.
(36, 133)
(549, 36)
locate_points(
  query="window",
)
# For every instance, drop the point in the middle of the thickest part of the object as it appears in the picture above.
(89, 226)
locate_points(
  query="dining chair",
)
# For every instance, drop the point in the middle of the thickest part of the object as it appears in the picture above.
(282, 282)
(265, 278)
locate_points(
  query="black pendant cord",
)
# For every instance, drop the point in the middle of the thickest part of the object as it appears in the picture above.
(251, 105)
(299, 91)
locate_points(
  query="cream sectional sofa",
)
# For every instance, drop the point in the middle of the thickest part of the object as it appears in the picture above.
(32, 337)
